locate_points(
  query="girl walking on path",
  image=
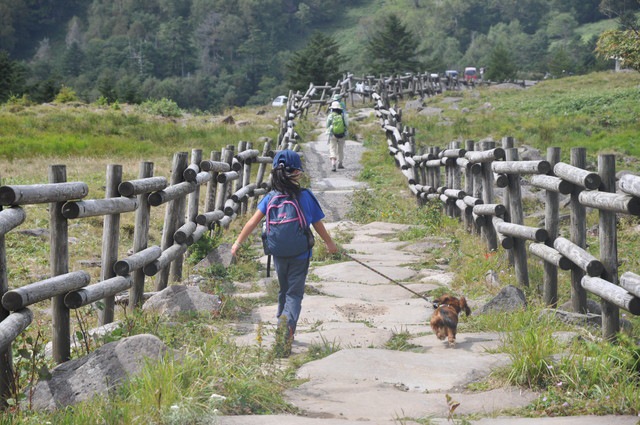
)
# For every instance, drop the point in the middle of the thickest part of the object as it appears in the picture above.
(292, 271)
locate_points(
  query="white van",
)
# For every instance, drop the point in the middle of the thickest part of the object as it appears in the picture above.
(279, 101)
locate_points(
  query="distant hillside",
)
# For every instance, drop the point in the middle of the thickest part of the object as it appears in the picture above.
(211, 54)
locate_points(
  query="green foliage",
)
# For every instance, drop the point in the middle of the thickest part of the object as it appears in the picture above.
(199, 250)
(11, 77)
(501, 66)
(400, 341)
(320, 61)
(393, 48)
(163, 107)
(624, 45)
(66, 95)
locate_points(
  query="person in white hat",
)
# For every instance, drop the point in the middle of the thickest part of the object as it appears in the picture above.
(337, 131)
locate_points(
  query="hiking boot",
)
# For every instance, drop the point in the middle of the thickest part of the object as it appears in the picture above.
(284, 338)
(340, 165)
(333, 167)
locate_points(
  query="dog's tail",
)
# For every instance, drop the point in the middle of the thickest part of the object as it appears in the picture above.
(464, 306)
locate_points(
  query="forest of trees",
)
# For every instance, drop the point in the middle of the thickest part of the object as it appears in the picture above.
(211, 54)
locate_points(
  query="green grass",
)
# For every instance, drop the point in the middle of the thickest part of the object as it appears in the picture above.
(597, 111)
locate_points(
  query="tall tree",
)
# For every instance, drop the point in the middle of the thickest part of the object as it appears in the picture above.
(393, 49)
(319, 62)
(501, 66)
(11, 77)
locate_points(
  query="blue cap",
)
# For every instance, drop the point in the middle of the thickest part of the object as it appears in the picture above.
(289, 158)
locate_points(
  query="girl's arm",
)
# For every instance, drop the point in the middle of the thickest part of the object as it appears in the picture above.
(324, 234)
(246, 230)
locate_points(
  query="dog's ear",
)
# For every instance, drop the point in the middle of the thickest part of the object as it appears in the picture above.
(464, 306)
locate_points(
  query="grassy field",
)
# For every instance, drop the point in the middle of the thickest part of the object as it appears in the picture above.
(598, 111)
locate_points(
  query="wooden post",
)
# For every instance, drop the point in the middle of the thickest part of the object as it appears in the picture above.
(180, 204)
(578, 232)
(508, 142)
(246, 179)
(59, 263)
(171, 217)
(110, 237)
(468, 187)
(194, 197)
(608, 246)
(552, 224)
(488, 232)
(6, 357)
(140, 238)
(210, 200)
(516, 215)
(221, 192)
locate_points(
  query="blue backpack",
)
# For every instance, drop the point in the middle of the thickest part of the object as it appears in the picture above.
(285, 231)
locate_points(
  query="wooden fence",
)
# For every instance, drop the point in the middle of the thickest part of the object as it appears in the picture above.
(464, 179)
(229, 193)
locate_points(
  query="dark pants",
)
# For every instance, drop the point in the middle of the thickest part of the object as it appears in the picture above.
(292, 275)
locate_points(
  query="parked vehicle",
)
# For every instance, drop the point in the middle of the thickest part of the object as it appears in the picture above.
(452, 74)
(279, 101)
(470, 74)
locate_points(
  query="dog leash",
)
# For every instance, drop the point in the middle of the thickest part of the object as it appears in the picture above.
(386, 277)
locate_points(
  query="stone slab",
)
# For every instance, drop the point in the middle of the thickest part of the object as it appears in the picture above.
(373, 292)
(350, 271)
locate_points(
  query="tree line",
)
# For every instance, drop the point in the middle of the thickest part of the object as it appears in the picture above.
(211, 54)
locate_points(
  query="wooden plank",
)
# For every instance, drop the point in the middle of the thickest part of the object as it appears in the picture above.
(520, 231)
(101, 290)
(550, 255)
(631, 282)
(13, 326)
(142, 185)
(137, 260)
(42, 193)
(10, 218)
(578, 256)
(171, 193)
(630, 184)
(490, 209)
(521, 167)
(32, 293)
(612, 202)
(612, 293)
(552, 183)
(578, 176)
(98, 207)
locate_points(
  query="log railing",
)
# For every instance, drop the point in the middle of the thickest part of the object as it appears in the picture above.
(226, 176)
(485, 167)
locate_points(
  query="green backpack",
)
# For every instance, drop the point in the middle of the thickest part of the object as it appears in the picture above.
(338, 126)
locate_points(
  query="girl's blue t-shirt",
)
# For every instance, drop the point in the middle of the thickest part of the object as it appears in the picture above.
(310, 206)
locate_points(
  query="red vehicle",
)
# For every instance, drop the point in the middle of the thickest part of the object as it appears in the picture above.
(470, 74)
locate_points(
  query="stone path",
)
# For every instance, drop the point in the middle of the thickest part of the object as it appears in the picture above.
(359, 311)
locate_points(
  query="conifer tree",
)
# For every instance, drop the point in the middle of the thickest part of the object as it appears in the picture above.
(319, 62)
(393, 49)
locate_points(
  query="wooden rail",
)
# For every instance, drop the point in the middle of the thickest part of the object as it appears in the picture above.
(502, 224)
(226, 176)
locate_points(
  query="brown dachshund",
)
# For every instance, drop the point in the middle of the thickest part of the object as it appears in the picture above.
(444, 320)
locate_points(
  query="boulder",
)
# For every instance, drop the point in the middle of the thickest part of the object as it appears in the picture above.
(220, 255)
(178, 299)
(98, 373)
(510, 298)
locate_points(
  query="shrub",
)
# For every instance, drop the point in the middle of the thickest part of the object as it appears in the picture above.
(164, 107)
(66, 95)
